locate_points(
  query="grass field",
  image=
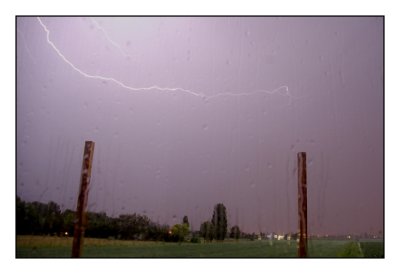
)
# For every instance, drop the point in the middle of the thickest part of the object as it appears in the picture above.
(57, 247)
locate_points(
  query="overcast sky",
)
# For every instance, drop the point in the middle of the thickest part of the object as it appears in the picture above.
(190, 112)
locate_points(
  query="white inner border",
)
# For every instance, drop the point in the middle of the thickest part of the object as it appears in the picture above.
(204, 7)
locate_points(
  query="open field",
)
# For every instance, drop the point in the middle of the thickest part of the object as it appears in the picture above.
(47, 247)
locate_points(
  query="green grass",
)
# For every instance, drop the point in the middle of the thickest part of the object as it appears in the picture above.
(327, 248)
(45, 247)
(352, 250)
(372, 249)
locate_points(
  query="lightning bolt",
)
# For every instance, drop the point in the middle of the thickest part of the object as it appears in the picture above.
(283, 90)
(115, 44)
(26, 45)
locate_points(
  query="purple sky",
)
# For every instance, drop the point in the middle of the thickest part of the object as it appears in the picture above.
(237, 98)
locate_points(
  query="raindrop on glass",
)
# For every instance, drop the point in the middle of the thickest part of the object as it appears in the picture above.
(158, 174)
(188, 55)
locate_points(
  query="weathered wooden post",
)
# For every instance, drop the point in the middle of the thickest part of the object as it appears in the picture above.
(302, 204)
(80, 220)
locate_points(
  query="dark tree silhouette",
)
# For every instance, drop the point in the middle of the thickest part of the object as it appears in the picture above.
(235, 232)
(207, 231)
(186, 220)
(220, 222)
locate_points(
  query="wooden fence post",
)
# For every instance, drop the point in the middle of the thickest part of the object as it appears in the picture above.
(80, 220)
(302, 204)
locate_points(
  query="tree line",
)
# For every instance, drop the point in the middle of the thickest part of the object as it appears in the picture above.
(36, 218)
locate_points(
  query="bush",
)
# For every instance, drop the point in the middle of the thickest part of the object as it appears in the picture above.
(195, 240)
(351, 250)
(179, 232)
(373, 249)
